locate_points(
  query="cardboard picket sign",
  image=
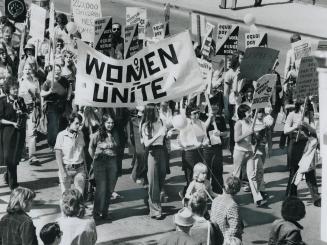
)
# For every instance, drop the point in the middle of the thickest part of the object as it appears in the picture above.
(227, 39)
(135, 15)
(102, 33)
(85, 12)
(256, 40)
(263, 91)
(198, 27)
(322, 45)
(160, 72)
(206, 72)
(206, 44)
(131, 45)
(307, 80)
(257, 62)
(159, 31)
(301, 48)
(16, 10)
(37, 22)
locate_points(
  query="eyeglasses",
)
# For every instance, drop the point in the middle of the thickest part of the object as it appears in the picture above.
(115, 29)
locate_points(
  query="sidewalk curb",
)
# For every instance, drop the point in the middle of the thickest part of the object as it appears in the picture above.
(178, 7)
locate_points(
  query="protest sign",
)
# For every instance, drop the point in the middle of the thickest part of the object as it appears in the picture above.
(85, 12)
(263, 91)
(227, 39)
(206, 72)
(307, 80)
(256, 40)
(131, 45)
(301, 49)
(206, 45)
(167, 18)
(159, 31)
(15, 10)
(102, 34)
(52, 21)
(160, 72)
(198, 27)
(257, 62)
(37, 22)
(135, 15)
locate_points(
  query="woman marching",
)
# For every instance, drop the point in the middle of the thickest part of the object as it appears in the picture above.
(103, 149)
(13, 114)
(300, 131)
(29, 90)
(153, 133)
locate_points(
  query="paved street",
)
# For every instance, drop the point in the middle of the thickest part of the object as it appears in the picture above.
(131, 224)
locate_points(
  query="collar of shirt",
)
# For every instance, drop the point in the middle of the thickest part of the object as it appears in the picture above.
(70, 134)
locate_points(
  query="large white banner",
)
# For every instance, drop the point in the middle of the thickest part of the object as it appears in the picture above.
(163, 71)
(85, 12)
(37, 19)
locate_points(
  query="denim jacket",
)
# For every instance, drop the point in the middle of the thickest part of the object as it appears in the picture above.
(17, 229)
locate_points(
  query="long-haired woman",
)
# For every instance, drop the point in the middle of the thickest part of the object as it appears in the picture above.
(153, 133)
(16, 227)
(103, 149)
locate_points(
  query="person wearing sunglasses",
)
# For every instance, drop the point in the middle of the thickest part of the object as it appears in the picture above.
(117, 42)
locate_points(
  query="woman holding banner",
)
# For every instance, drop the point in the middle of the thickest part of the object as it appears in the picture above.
(153, 135)
(300, 126)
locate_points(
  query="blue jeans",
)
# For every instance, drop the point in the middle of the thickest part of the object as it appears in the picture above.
(56, 123)
(105, 174)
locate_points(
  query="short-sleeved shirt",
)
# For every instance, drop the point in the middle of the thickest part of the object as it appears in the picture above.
(59, 88)
(26, 87)
(102, 147)
(71, 145)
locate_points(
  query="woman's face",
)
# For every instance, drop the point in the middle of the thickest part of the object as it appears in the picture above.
(27, 70)
(57, 72)
(195, 115)
(68, 59)
(202, 176)
(3, 56)
(75, 125)
(248, 114)
(13, 91)
(109, 124)
(7, 34)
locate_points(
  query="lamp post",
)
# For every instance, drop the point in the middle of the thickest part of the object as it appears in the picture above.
(321, 57)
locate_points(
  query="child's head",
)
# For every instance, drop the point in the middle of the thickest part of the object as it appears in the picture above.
(293, 209)
(232, 241)
(50, 234)
(200, 171)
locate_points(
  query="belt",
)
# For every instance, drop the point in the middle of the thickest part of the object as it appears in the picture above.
(74, 166)
(155, 147)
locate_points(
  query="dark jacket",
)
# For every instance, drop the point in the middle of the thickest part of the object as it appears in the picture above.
(17, 229)
(285, 232)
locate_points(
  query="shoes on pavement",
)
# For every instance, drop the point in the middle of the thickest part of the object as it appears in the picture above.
(106, 217)
(157, 217)
(317, 203)
(181, 195)
(34, 161)
(261, 203)
(163, 197)
(246, 188)
(115, 196)
(221, 7)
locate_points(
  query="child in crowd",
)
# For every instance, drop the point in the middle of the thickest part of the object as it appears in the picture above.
(50, 234)
(200, 182)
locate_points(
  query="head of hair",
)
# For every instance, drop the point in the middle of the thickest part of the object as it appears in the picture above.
(241, 110)
(102, 130)
(190, 108)
(3, 20)
(233, 185)
(62, 19)
(293, 209)
(10, 82)
(234, 61)
(198, 203)
(31, 61)
(72, 203)
(73, 116)
(198, 169)
(295, 37)
(19, 198)
(150, 116)
(49, 233)
(8, 24)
